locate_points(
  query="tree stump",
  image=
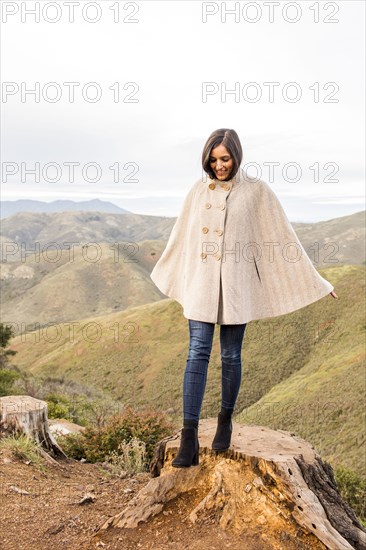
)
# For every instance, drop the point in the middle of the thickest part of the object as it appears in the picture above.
(22, 414)
(269, 481)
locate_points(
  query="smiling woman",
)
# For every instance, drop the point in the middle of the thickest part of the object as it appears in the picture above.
(222, 154)
(221, 162)
(232, 257)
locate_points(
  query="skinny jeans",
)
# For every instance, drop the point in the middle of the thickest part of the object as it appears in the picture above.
(195, 374)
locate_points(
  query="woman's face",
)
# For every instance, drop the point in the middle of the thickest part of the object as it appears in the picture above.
(221, 162)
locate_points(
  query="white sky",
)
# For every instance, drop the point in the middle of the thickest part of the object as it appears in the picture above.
(169, 53)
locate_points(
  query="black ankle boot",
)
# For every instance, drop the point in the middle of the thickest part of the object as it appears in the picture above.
(222, 438)
(188, 453)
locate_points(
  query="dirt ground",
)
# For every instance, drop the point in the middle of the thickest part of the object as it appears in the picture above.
(52, 517)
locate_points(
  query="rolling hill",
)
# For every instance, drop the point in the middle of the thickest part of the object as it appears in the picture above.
(67, 285)
(30, 230)
(62, 282)
(302, 372)
(339, 240)
(9, 208)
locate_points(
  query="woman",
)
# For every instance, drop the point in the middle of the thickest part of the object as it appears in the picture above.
(232, 257)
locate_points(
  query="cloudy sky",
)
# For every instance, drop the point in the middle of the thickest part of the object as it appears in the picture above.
(151, 81)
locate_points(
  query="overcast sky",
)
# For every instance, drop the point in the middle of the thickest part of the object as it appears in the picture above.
(169, 53)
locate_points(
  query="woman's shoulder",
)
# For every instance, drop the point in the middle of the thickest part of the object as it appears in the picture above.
(199, 185)
(258, 185)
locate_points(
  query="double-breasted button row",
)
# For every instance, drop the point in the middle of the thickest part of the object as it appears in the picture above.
(212, 186)
(222, 207)
(218, 231)
(204, 255)
(208, 205)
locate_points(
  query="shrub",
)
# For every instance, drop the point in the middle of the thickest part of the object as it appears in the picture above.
(7, 379)
(72, 444)
(8, 373)
(130, 458)
(58, 406)
(96, 443)
(352, 488)
(23, 447)
(68, 406)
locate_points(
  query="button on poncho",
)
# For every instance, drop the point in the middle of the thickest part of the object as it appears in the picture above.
(235, 235)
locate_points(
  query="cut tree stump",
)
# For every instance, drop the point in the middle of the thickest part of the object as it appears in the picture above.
(268, 481)
(22, 414)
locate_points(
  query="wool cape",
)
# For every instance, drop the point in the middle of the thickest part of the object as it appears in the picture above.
(233, 257)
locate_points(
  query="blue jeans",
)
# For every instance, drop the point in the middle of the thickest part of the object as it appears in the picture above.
(195, 374)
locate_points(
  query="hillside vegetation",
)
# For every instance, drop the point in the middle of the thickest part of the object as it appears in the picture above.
(108, 269)
(302, 372)
(64, 285)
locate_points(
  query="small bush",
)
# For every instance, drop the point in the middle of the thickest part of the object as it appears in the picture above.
(7, 379)
(352, 488)
(96, 443)
(23, 447)
(58, 406)
(68, 406)
(130, 458)
(73, 445)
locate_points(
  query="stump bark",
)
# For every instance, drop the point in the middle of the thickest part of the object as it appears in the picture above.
(269, 481)
(22, 414)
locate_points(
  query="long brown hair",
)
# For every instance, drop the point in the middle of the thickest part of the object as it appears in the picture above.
(229, 139)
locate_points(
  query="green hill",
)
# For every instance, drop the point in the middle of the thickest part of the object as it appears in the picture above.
(67, 285)
(56, 285)
(324, 400)
(302, 372)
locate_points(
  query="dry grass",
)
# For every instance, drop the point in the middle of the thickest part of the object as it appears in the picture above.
(24, 448)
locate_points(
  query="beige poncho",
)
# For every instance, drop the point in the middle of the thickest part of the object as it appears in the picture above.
(233, 256)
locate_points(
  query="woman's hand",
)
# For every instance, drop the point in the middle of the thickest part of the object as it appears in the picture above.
(334, 294)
